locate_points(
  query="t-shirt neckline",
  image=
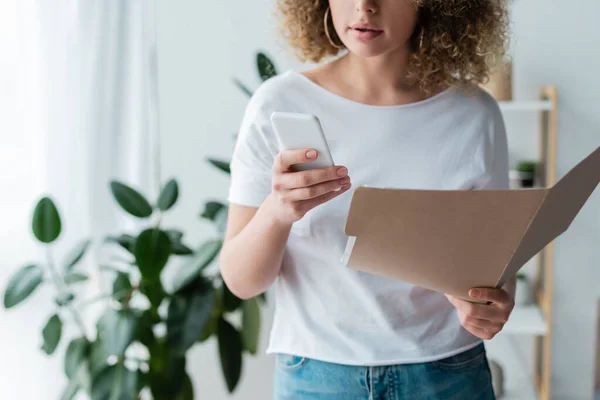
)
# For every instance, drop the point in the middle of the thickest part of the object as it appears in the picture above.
(336, 97)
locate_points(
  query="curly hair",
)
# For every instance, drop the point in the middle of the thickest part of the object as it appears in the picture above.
(455, 42)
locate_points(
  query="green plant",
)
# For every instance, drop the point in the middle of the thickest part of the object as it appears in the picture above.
(521, 276)
(526, 166)
(146, 328)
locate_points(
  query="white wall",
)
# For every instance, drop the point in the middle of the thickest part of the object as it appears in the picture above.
(203, 45)
(556, 43)
(597, 368)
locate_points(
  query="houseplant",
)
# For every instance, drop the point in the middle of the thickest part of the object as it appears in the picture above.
(141, 339)
(526, 173)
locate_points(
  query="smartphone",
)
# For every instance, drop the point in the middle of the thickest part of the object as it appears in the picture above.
(302, 131)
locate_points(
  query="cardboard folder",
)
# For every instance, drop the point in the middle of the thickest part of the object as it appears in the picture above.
(453, 240)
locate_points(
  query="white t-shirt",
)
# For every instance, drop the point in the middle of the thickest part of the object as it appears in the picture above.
(323, 309)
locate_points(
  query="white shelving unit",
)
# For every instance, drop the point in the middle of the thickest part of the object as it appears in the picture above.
(526, 320)
(532, 105)
(533, 320)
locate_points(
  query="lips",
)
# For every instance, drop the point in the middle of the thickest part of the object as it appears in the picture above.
(365, 32)
(365, 27)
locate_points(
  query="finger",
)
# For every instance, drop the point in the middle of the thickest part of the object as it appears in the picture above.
(481, 333)
(312, 177)
(312, 203)
(498, 297)
(482, 311)
(286, 158)
(483, 323)
(310, 192)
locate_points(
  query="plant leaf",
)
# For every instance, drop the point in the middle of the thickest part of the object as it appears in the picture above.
(121, 287)
(266, 68)
(187, 389)
(210, 328)
(75, 355)
(212, 325)
(46, 223)
(174, 235)
(263, 297)
(242, 87)
(98, 359)
(230, 353)
(222, 165)
(188, 316)
(152, 251)
(116, 330)
(71, 390)
(76, 255)
(81, 380)
(115, 383)
(130, 200)
(211, 208)
(168, 195)
(181, 249)
(75, 277)
(22, 284)
(51, 334)
(153, 291)
(251, 324)
(144, 333)
(230, 301)
(167, 372)
(221, 220)
(125, 241)
(177, 247)
(64, 298)
(201, 259)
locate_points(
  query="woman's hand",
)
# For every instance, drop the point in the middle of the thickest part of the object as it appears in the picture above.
(485, 320)
(296, 193)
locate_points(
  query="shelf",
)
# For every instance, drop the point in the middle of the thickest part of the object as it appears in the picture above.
(533, 105)
(518, 381)
(526, 320)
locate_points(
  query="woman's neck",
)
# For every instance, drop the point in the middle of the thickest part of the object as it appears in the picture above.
(380, 80)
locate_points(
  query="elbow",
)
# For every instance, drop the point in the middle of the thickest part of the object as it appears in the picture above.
(236, 285)
(242, 294)
(239, 289)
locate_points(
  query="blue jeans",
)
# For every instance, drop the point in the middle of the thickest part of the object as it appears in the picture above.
(463, 376)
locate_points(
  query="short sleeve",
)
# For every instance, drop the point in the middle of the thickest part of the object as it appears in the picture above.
(253, 156)
(497, 151)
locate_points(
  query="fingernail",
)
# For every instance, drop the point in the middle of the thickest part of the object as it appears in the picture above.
(342, 171)
(311, 154)
(475, 293)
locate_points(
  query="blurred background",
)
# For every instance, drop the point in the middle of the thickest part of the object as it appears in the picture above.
(118, 118)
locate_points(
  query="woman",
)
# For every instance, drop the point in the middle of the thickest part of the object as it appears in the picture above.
(400, 108)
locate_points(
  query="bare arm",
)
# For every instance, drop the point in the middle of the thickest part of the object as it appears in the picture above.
(252, 252)
(253, 249)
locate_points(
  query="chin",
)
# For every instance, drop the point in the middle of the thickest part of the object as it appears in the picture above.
(366, 50)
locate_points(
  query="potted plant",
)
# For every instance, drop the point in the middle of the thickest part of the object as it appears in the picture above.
(139, 343)
(524, 293)
(525, 173)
